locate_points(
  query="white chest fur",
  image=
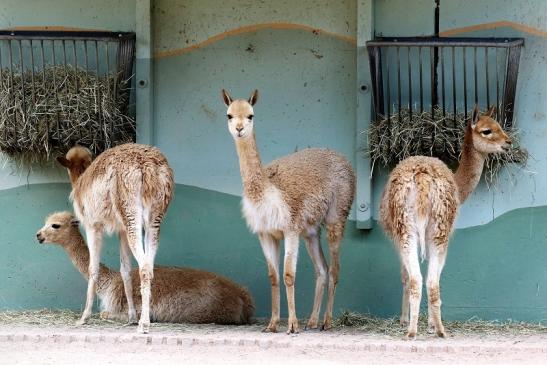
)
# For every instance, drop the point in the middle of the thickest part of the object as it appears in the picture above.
(269, 214)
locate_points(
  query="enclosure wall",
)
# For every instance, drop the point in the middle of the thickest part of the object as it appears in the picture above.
(302, 58)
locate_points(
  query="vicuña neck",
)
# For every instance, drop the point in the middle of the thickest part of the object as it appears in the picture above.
(79, 255)
(250, 168)
(470, 168)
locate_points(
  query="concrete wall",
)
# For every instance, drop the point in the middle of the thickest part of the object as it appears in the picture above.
(303, 58)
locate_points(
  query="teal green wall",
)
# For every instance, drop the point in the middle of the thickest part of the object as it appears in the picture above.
(302, 57)
(494, 271)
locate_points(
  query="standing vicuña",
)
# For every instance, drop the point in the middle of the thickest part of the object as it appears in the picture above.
(418, 208)
(178, 294)
(289, 198)
(126, 189)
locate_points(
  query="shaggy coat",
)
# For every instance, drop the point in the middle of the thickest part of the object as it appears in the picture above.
(419, 206)
(126, 189)
(178, 294)
(291, 198)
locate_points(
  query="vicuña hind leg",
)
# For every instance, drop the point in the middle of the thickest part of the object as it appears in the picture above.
(94, 244)
(313, 246)
(410, 262)
(437, 257)
(335, 232)
(125, 271)
(270, 247)
(405, 303)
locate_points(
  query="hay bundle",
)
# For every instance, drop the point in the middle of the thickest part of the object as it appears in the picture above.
(57, 107)
(392, 140)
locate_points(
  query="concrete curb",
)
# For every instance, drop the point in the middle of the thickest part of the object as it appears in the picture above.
(217, 340)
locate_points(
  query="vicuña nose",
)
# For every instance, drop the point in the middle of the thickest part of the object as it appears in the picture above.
(239, 128)
(508, 141)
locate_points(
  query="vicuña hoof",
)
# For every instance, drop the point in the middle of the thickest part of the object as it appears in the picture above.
(144, 327)
(292, 326)
(410, 336)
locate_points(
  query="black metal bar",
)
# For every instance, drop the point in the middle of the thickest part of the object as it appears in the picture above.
(409, 84)
(443, 82)
(57, 125)
(435, 63)
(432, 80)
(399, 85)
(24, 105)
(464, 84)
(48, 135)
(487, 77)
(498, 107)
(32, 73)
(511, 85)
(99, 99)
(76, 82)
(388, 85)
(454, 106)
(445, 42)
(504, 85)
(14, 119)
(475, 74)
(421, 81)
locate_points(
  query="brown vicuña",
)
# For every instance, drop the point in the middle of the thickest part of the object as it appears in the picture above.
(418, 208)
(126, 189)
(179, 295)
(288, 198)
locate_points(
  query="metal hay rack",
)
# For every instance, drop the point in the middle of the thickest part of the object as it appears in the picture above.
(444, 75)
(60, 88)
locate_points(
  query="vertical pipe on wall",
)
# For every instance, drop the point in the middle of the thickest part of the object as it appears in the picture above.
(363, 198)
(144, 92)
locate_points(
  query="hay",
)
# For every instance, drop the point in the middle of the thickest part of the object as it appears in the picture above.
(473, 326)
(46, 113)
(391, 140)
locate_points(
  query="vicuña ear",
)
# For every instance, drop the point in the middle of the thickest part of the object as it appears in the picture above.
(475, 116)
(74, 222)
(227, 98)
(491, 111)
(253, 98)
(63, 161)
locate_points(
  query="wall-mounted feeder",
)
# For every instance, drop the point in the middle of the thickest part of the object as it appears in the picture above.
(424, 89)
(61, 88)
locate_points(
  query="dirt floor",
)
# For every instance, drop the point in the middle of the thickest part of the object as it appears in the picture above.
(50, 337)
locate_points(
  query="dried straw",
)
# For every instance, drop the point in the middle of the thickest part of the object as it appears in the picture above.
(473, 326)
(50, 110)
(392, 140)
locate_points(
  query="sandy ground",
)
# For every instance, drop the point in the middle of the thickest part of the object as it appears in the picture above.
(211, 344)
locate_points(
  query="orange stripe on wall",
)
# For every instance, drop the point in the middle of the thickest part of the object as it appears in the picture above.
(504, 23)
(253, 28)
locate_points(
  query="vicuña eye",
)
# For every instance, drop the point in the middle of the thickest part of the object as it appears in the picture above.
(230, 116)
(250, 117)
(55, 226)
(486, 132)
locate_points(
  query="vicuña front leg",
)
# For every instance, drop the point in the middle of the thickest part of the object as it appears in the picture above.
(289, 276)
(270, 247)
(94, 244)
(313, 246)
(125, 271)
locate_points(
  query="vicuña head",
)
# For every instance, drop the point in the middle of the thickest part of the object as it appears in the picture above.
(58, 229)
(240, 114)
(487, 134)
(77, 160)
